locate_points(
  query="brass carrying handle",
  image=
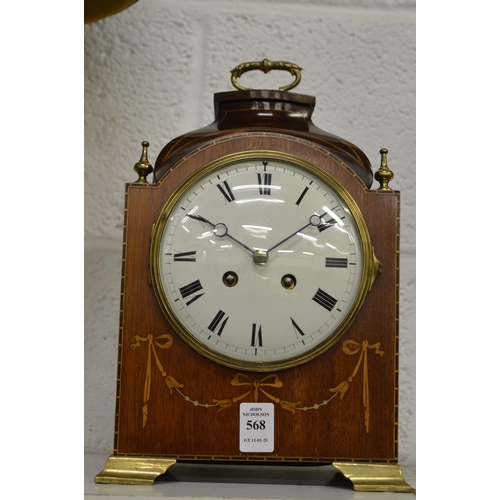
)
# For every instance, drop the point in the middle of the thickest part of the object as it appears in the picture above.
(265, 65)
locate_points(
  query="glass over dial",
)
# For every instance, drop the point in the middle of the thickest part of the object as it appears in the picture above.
(261, 261)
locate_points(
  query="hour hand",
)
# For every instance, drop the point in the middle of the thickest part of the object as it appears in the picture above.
(201, 219)
(220, 230)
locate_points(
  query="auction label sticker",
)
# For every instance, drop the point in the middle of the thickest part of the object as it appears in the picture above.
(257, 427)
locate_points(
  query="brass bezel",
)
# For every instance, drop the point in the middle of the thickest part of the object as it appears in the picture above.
(370, 263)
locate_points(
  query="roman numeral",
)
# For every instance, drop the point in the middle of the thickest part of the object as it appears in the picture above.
(256, 336)
(264, 183)
(335, 262)
(215, 322)
(326, 225)
(191, 289)
(226, 191)
(185, 256)
(297, 328)
(301, 196)
(324, 300)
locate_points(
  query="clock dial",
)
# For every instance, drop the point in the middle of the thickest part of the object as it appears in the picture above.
(261, 261)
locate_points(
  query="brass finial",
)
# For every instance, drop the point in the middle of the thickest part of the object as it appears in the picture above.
(384, 175)
(143, 167)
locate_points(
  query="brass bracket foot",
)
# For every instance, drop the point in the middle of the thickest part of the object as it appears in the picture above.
(133, 470)
(374, 477)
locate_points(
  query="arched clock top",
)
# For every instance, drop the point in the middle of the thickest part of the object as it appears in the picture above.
(256, 111)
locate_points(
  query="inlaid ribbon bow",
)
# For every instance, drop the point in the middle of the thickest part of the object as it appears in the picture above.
(152, 344)
(352, 347)
(270, 381)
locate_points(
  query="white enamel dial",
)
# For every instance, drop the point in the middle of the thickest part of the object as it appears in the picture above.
(260, 262)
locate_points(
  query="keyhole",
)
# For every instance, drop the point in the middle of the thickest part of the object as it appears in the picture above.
(230, 279)
(288, 281)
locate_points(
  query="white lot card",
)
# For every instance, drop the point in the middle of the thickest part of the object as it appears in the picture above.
(257, 427)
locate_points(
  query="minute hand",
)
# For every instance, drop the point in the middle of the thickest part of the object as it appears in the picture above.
(314, 220)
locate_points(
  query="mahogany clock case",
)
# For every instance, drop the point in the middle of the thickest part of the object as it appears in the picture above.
(173, 402)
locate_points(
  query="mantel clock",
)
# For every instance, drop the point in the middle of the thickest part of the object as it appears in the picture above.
(259, 300)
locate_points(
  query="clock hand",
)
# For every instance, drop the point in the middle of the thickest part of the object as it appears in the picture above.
(201, 219)
(314, 220)
(223, 231)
